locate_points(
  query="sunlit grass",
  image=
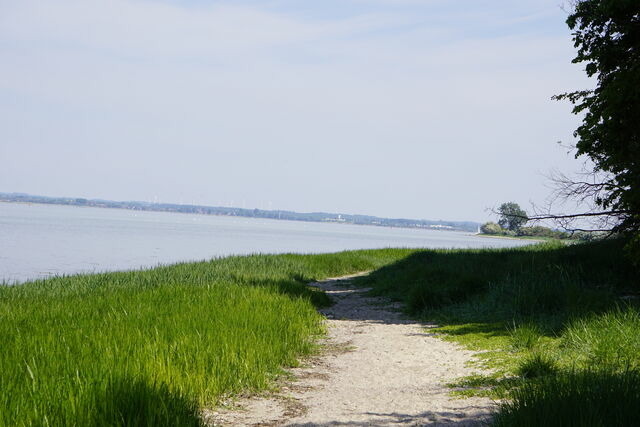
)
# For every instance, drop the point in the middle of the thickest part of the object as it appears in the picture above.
(154, 347)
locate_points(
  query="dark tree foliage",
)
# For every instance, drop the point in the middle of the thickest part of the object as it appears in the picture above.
(512, 216)
(607, 36)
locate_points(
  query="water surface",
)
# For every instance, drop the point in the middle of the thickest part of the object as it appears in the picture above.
(38, 241)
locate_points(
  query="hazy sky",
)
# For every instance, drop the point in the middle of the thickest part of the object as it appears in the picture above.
(434, 109)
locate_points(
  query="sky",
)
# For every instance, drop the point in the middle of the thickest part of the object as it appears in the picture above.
(428, 109)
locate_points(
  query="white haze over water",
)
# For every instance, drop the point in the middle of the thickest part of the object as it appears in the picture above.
(39, 241)
(418, 109)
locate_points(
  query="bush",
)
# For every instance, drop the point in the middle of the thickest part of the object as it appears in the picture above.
(539, 231)
(491, 228)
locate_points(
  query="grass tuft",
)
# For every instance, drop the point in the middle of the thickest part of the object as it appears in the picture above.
(525, 336)
(537, 365)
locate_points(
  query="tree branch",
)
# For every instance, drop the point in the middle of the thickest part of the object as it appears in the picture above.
(580, 215)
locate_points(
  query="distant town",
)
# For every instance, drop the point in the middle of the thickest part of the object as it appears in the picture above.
(251, 213)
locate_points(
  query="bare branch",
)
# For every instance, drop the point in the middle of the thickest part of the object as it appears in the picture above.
(580, 215)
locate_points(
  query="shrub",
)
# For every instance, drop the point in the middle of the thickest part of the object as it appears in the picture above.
(491, 228)
(539, 231)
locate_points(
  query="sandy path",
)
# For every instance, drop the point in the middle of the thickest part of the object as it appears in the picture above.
(379, 369)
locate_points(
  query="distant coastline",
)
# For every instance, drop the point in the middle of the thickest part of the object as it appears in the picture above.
(242, 212)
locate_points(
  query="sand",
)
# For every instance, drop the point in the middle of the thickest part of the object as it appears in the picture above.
(378, 368)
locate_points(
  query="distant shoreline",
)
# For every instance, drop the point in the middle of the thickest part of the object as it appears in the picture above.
(355, 219)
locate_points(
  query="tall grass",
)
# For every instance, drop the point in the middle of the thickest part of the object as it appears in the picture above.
(561, 325)
(574, 398)
(610, 339)
(503, 284)
(153, 347)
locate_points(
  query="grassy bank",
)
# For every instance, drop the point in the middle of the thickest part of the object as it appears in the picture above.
(559, 324)
(154, 347)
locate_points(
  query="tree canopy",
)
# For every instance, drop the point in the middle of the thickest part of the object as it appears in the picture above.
(512, 216)
(607, 36)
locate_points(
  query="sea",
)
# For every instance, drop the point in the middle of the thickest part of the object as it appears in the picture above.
(40, 240)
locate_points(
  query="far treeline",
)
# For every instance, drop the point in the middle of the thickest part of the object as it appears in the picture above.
(242, 212)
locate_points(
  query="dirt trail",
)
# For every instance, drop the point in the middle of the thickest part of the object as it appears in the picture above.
(379, 369)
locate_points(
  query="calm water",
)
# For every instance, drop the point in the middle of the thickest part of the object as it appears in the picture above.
(44, 240)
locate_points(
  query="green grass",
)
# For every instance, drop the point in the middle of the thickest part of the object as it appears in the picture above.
(610, 339)
(537, 365)
(559, 324)
(546, 316)
(574, 398)
(525, 336)
(154, 347)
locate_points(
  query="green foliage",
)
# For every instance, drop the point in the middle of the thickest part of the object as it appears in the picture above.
(491, 228)
(607, 36)
(545, 232)
(512, 216)
(536, 231)
(153, 347)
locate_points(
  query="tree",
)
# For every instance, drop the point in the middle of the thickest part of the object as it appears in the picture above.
(512, 216)
(607, 36)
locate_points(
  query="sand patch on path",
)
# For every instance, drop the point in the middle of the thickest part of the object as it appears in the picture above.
(379, 369)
